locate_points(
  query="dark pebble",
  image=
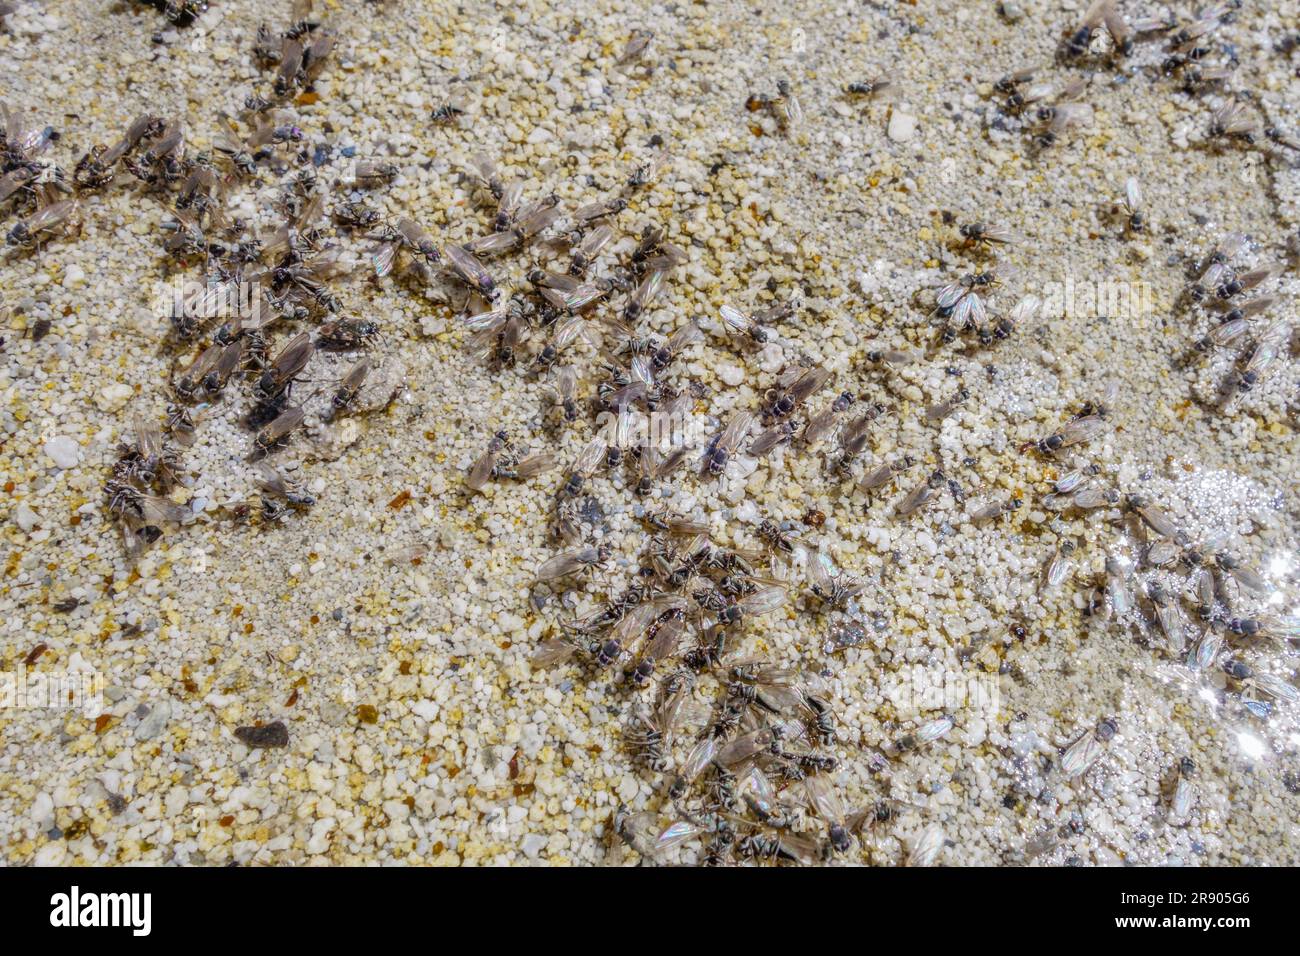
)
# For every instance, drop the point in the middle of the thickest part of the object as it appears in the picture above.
(274, 734)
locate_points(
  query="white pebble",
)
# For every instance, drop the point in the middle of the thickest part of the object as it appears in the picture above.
(732, 375)
(533, 844)
(25, 518)
(902, 126)
(113, 397)
(63, 451)
(42, 808)
(74, 277)
(154, 721)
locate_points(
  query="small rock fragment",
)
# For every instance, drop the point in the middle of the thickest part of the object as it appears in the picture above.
(25, 518)
(113, 397)
(533, 844)
(274, 734)
(902, 126)
(154, 722)
(63, 451)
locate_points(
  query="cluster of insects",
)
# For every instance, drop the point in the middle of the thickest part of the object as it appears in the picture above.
(747, 776)
(671, 633)
(744, 750)
(225, 328)
(182, 13)
(1192, 600)
(1241, 318)
(1192, 55)
(962, 306)
(35, 191)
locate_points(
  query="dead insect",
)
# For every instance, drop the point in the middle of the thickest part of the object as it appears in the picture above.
(291, 360)
(892, 358)
(1263, 355)
(664, 356)
(1020, 313)
(566, 392)
(793, 388)
(347, 334)
(922, 494)
(1057, 120)
(42, 223)
(126, 501)
(1153, 517)
(886, 472)
(409, 235)
(987, 234)
(347, 390)
(1121, 32)
(583, 560)
(1080, 38)
(877, 88)
(1232, 120)
(643, 295)
(833, 587)
(356, 215)
(583, 467)
(532, 220)
(527, 467)
(1074, 432)
(762, 601)
(277, 430)
(290, 65)
(1184, 792)
(1169, 619)
(785, 106)
(1083, 753)
(369, 173)
(778, 541)
(227, 363)
(994, 510)
(1246, 577)
(1217, 267)
(770, 438)
(645, 173)
(1059, 568)
(653, 465)
(485, 173)
(1085, 497)
(273, 483)
(589, 248)
(825, 421)
(568, 294)
(938, 412)
(448, 111)
(1132, 205)
(1118, 572)
(191, 380)
(741, 324)
(720, 448)
(854, 436)
(496, 334)
(469, 270)
(1245, 281)
(485, 465)
(636, 47)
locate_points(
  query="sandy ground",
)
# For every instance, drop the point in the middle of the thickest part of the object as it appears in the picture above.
(418, 731)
